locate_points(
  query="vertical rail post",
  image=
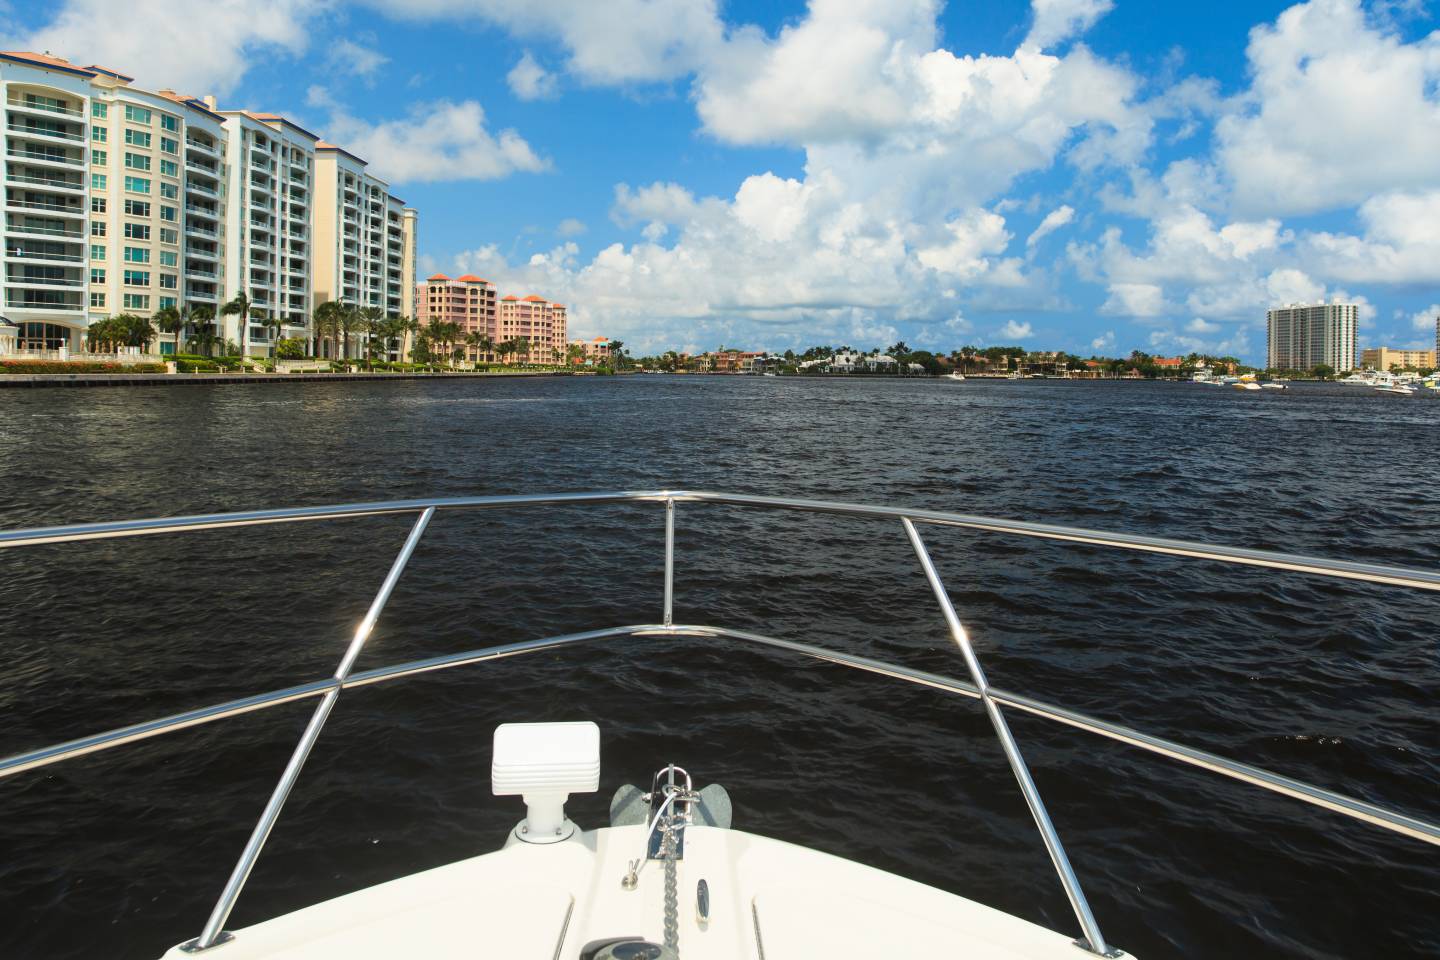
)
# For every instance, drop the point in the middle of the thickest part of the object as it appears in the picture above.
(669, 613)
(1094, 941)
(214, 932)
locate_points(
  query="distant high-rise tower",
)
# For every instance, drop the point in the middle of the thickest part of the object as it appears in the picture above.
(1299, 336)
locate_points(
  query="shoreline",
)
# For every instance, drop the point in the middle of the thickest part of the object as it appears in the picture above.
(40, 380)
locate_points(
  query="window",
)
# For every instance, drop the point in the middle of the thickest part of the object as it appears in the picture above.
(97, 228)
(137, 208)
(97, 204)
(99, 110)
(170, 146)
(169, 258)
(136, 115)
(137, 301)
(137, 278)
(99, 158)
(99, 134)
(136, 255)
(137, 138)
(169, 236)
(170, 191)
(97, 299)
(97, 274)
(97, 251)
(167, 213)
(170, 123)
(137, 184)
(137, 231)
(136, 161)
(169, 168)
(167, 302)
(168, 281)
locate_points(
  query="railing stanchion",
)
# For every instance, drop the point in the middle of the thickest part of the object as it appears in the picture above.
(669, 614)
(214, 931)
(1094, 941)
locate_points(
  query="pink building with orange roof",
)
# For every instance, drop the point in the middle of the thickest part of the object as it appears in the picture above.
(468, 301)
(538, 321)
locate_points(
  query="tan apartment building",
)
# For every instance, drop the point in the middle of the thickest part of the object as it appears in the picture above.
(1383, 358)
(364, 237)
(469, 302)
(122, 200)
(591, 352)
(541, 323)
(98, 178)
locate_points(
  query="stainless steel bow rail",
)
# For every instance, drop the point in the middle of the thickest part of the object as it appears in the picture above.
(991, 698)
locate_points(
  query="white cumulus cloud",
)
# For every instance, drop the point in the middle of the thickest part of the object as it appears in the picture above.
(1053, 221)
(528, 80)
(457, 144)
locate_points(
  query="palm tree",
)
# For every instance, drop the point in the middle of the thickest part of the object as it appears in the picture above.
(325, 322)
(242, 306)
(170, 320)
(410, 327)
(349, 321)
(274, 322)
(368, 322)
(202, 332)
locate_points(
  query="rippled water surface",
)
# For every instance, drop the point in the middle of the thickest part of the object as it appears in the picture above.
(123, 853)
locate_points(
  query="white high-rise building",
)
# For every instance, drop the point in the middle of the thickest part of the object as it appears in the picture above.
(1299, 336)
(123, 200)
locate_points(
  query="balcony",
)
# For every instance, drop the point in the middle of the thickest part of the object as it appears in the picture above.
(31, 104)
(50, 184)
(192, 186)
(208, 170)
(23, 280)
(202, 146)
(210, 213)
(31, 303)
(194, 272)
(37, 130)
(43, 256)
(55, 209)
(195, 229)
(197, 252)
(58, 157)
(31, 228)
(199, 293)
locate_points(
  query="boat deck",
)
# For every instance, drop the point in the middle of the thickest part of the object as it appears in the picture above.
(767, 898)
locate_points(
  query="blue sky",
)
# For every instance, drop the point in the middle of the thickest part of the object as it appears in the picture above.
(1089, 175)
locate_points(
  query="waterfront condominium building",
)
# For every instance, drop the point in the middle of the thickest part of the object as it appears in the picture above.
(1383, 358)
(591, 352)
(539, 322)
(123, 200)
(468, 301)
(268, 214)
(364, 237)
(1303, 335)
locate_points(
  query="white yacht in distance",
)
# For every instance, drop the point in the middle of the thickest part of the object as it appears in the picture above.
(954, 375)
(670, 876)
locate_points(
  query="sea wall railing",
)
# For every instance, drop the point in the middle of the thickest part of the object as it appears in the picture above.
(992, 699)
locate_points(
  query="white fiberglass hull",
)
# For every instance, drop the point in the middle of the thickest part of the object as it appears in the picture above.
(766, 898)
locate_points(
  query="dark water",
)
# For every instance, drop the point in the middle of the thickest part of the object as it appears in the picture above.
(125, 852)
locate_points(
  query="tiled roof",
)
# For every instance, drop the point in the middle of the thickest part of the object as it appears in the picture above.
(438, 276)
(322, 145)
(533, 298)
(110, 73)
(45, 60)
(471, 278)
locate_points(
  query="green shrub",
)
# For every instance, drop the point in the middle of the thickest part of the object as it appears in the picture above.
(77, 366)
